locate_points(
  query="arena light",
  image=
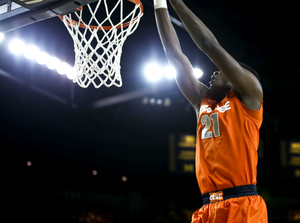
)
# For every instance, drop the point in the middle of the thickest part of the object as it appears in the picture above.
(1, 36)
(71, 73)
(42, 58)
(167, 102)
(62, 68)
(16, 46)
(153, 72)
(198, 72)
(31, 52)
(169, 72)
(152, 101)
(53, 63)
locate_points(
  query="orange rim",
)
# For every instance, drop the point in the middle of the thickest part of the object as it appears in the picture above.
(81, 25)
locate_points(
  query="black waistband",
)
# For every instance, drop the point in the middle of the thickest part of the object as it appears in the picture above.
(240, 191)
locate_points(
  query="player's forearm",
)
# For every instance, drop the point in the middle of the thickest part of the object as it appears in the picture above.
(201, 35)
(166, 32)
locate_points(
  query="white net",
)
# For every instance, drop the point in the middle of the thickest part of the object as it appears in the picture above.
(99, 31)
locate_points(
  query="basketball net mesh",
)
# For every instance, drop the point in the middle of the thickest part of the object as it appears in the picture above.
(98, 46)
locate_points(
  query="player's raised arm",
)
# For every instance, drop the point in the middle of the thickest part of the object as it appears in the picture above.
(242, 80)
(189, 85)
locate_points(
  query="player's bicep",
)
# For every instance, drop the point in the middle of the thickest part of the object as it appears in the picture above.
(187, 82)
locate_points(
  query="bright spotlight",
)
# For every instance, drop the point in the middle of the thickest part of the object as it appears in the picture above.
(31, 52)
(63, 68)
(42, 58)
(198, 72)
(153, 72)
(169, 72)
(71, 73)
(1, 36)
(52, 63)
(16, 46)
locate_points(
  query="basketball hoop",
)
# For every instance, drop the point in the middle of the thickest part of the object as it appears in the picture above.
(99, 31)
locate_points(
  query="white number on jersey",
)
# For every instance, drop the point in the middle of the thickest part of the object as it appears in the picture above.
(205, 120)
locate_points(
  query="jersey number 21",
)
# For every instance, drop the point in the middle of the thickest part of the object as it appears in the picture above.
(206, 120)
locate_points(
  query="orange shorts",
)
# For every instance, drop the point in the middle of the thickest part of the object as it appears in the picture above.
(247, 209)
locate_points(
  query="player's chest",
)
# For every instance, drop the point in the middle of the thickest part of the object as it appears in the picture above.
(212, 116)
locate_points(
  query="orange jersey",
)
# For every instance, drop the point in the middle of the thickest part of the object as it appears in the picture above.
(227, 143)
(248, 209)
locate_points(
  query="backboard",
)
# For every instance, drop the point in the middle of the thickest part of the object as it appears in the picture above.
(18, 13)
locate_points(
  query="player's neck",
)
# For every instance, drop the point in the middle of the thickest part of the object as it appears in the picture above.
(220, 95)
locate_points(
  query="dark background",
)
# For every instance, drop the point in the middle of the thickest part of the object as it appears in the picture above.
(47, 119)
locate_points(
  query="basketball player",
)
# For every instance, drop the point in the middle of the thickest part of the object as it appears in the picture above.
(229, 114)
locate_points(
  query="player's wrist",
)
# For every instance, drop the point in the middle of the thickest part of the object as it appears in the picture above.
(160, 4)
